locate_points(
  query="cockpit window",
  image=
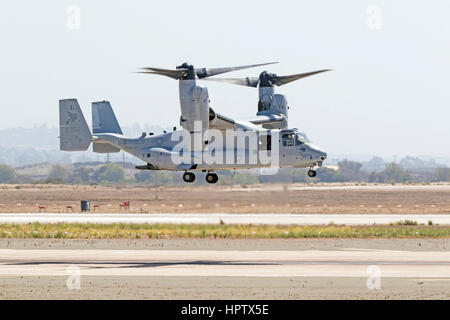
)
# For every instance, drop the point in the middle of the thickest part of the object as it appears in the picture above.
(296, 138)
(299, 140)
(303, 137)
(288, 139)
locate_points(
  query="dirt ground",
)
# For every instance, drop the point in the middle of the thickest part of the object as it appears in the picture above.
(295, 198)
(411, 244)
(254, 199)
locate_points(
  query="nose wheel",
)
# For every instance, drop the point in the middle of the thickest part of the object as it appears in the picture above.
(188, 177)
(211, 178)
(312, 173)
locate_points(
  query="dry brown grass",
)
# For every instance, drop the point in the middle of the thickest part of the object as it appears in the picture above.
(299, 198)
(222, 231)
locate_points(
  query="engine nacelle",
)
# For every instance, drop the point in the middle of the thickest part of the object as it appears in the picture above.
(279, 104)
(194, 102)
(271, 103)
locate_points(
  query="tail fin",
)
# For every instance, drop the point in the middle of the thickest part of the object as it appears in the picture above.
(104, 121)
(103, 118)
(73, 129)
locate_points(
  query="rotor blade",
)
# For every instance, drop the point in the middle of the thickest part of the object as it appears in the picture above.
(208, 72)
(174, 74)
(279, 81)
(249, 81)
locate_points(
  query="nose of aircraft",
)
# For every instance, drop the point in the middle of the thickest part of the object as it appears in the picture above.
(318, 153)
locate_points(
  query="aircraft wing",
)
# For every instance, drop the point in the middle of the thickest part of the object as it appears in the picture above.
(223, 123)
(265, 119)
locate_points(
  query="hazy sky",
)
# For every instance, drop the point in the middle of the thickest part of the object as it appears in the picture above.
(388, 94)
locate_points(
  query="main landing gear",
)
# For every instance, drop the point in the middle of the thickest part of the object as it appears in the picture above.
(211, 178)
(312, 173)
(188, 177)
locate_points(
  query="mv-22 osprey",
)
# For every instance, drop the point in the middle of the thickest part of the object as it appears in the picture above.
(289, 147)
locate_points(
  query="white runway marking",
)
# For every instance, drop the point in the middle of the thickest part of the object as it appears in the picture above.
(215, 218)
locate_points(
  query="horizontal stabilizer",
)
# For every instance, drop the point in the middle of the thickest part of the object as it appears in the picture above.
(104, 148)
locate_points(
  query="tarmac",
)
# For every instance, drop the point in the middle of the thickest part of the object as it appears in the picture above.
(224, 269)
(338, 273)
(228, 218)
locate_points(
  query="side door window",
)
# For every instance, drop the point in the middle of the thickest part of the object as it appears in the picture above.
(265, 141)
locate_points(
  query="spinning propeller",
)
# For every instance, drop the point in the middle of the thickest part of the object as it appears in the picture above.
(188, 72)
(267, 79)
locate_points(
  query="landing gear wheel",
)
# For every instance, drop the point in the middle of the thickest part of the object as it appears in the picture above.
(188, 177)
(212, 178)
(312, 173)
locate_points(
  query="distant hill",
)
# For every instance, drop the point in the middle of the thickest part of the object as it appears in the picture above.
(42, 138)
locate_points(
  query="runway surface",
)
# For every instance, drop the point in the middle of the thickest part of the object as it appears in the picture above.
(229, 269)
(308, 263)
(215, 218)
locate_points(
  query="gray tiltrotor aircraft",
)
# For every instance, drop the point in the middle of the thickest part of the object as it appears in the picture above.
(210, 141)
